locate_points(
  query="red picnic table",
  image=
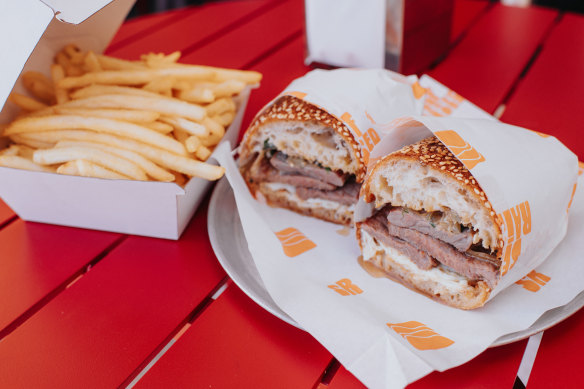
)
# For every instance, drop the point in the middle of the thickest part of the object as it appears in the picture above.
(84, 308)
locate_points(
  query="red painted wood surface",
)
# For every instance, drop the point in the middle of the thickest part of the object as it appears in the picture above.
(5, 212)
(200, 24)
(37, 258)
(465, 14)
(241, 46)
(98, 331)
(237, 344)
(494, 368)
(549, 98)
(278, 71)
(559, 360)
(143, 26)
(486, 63)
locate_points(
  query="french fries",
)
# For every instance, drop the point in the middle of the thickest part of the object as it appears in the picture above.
(99, 116)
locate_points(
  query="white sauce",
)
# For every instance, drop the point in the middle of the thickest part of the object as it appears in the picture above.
(326, 204)
(453, 282)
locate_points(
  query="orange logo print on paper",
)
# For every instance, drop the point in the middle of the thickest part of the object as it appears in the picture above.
(444, 106)
(420, 336)
(533, 281)
(368, 139)
(517, 224)
(345, 287)
(467, 154)
(294, 242)
(418, 90)
(299, 95)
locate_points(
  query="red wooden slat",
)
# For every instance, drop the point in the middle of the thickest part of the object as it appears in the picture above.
(201, 23)
(559, 359)
(37, 258)
(147, 24)
(5, 212)
(494, 368)
(279, 70)
(465, 13)
(237, 344)
(98, 331)
(486, 63)
(242, 45)
(549, 98)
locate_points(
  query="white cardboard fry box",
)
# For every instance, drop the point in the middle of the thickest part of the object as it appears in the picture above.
(33, 32)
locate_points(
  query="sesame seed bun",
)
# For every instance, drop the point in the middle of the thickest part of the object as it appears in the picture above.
(300, 129)
(427, 177)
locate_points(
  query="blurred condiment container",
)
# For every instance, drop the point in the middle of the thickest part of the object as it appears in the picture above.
(402, 35)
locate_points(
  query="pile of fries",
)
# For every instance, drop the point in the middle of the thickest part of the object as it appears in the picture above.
(99, 116)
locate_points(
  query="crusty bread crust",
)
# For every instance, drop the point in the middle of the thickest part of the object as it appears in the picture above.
(303, 130)
(426, 176)
(284, 199)
(469, 297)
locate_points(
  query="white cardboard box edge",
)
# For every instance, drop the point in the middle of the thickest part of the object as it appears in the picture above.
(152, 209)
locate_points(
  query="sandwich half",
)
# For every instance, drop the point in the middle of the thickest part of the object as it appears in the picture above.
(432, 228)
(297, 156)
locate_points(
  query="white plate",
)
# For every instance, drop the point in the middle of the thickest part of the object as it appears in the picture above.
(228, 241)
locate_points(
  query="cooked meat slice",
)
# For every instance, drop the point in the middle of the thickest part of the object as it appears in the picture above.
(470, 266)
(403, 217)
(376, 227)
(299, 166)
(263, 171)
(347, 194)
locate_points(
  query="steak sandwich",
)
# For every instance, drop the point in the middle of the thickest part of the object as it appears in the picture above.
(297, 156)
(432, 228)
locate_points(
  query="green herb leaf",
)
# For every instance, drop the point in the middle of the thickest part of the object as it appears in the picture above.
(433, 225)
(328, 169)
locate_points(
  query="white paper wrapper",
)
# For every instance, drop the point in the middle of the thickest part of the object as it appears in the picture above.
(365, 100)
(311, 271)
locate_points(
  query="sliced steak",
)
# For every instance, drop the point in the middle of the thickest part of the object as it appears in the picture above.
(471, 267)
(348, 194)
(405, 218)
(299, 166)
(376, 227)
(263, 171)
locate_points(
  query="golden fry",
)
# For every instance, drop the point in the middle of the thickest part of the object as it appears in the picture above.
(111, 63)
(186, 125)
(192, 144)
(128, 115)
(136, 77)
(197, 95)
(84, 168)
(17, 162)
(202, 153)
(157, 155)
(58, 73)
(130, 130)
(153, 170)
(163, 128)
(91, 62)
(102, 158)
(220, 106)
(26, 103)
(164, 105)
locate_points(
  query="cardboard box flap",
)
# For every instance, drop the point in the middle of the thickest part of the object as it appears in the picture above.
(75, 11)
(22, 23)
